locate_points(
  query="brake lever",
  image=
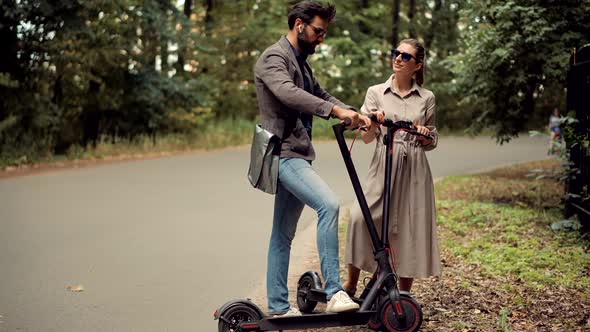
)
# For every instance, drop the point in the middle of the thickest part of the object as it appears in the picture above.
(415, 132)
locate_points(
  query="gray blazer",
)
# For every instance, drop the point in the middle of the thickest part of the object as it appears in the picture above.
(281, 96)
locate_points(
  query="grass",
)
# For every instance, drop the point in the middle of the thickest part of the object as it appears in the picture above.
(214, 135)
(501, 220)
(224, 133)
(514, 241)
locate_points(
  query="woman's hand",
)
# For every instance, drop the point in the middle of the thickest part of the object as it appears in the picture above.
(421, 139)
(380, 115)
(373, 128)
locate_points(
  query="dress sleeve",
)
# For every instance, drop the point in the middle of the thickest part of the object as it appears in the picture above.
(370, 104)
(430, 122)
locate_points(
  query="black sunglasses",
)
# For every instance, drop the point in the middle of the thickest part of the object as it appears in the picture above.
(318, 31)
(405, 56)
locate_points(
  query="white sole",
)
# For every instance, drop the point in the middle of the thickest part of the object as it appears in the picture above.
(345, 309)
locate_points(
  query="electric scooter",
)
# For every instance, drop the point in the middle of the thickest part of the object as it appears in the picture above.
(383, 307)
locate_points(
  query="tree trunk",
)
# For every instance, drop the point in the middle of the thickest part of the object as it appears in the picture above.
(164, 55)
(91, 118)
(363, 4)
(208, 17)
(429, 37)
(411, 11)
(188, 8)
(164, 8)
(58, 93)
(182, 49)
(150, 44)
(395, 25)
(8, 39)
(210, 4)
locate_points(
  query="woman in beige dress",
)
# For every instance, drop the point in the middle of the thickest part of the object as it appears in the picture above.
(412, 230)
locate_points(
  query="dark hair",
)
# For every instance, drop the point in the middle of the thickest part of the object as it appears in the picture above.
(307, 10)
(420, 52)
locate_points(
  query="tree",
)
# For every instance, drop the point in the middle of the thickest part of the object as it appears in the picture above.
(411, 12)
(434, 23)
(184, 31)
(88, 69)
(395, 24)
(512, 52)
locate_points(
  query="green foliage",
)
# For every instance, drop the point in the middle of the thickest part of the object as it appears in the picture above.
(514, 56)
(239, 34)
(91, 68)
(503, 321)
(125, 69)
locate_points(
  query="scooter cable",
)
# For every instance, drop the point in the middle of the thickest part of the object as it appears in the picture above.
(354, 139)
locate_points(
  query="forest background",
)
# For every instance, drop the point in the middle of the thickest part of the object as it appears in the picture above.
(76, 76)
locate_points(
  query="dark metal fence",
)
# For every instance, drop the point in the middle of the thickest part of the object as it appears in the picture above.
(578, 101)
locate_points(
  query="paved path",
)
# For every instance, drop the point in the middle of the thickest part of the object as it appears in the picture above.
(158, 244)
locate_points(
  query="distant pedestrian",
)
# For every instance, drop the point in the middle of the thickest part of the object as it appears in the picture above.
(555, 131)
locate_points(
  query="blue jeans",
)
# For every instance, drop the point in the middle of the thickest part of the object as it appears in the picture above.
(300, 185)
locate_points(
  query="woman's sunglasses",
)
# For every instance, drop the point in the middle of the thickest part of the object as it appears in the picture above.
(405, 56)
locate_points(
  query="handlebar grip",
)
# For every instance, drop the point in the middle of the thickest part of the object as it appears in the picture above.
(347, 122)
(414, 132)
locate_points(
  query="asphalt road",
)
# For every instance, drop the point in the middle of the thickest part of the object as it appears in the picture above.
(157, 245)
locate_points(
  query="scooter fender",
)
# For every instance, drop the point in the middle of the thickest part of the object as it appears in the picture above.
(221, 311)
(317, 281)
(401, 292)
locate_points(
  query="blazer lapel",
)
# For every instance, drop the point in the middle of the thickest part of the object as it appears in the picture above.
(286, 46)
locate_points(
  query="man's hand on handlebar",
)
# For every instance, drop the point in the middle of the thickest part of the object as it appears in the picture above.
(357, 120)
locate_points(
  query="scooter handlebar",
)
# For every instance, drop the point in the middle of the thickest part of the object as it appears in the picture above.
(404, 125)
(347, 122)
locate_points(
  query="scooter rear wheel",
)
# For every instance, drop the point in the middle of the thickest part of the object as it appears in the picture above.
(235, 315)
(305, 305)
(412, 312)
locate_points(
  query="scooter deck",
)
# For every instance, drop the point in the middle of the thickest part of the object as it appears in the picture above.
(306, 321)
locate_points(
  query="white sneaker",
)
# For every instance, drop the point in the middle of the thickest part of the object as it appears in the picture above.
(291, 312)
(341, 302)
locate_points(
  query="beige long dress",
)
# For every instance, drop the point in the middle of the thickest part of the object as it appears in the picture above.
(412, 229)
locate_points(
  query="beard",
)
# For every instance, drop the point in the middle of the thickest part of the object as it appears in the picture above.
(306, 46)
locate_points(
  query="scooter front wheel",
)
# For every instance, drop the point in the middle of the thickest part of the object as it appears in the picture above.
(375, 322)
(235, 315)
(303, 288)
(412, 315)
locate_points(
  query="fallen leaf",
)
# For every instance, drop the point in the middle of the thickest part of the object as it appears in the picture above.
(78, 288)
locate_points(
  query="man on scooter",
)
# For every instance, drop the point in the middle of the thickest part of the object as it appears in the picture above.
(288, 98)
